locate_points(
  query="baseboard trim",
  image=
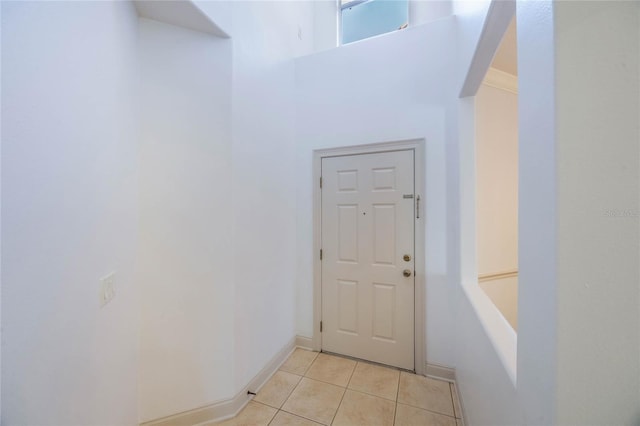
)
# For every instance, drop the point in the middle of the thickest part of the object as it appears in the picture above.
(459, 420)
(440, 372)
(497, 276)
(230, 407)
(304, 343)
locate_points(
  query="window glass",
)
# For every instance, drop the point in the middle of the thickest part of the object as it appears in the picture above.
(363, 19)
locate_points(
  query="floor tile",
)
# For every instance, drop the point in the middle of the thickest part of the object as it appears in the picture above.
(331, 369)
(358, 409)
(424, 392)
(412, 416)
(375, 380)
(314, 400)
(299, 361)
(456, 403)
(276, 391)
(286, 419)
(254, 414)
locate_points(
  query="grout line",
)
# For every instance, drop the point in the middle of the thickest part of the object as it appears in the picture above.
(312, 378)
(264, 405)
(453, 404)
(302, 417)
(339, 405)
(344, 393)
(395, 413)
(261, 403)
(303, 376)
(290, 393)
(311, 363)
(371, 394)
(430, 411)
(352, 373)
(274, 416)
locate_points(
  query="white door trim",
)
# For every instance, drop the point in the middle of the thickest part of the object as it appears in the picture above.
(418, 146)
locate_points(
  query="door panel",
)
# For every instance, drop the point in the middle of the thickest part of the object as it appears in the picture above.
(367, 228)
(348, 233)
(384, 234)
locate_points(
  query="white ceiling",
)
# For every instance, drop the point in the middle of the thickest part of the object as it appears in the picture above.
(506, 58)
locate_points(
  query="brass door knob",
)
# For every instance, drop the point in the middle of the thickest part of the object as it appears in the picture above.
(407, 257)
(406, 273)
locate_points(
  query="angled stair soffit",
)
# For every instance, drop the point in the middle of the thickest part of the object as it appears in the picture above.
(498, 18)
(181, 13)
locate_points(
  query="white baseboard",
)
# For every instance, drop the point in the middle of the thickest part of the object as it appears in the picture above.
(228, 408)
(440, 372)
(304, 343)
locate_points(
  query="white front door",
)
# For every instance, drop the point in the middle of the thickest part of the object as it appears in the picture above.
(367, 257)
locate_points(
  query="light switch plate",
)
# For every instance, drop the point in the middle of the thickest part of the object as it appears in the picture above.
(107, 288)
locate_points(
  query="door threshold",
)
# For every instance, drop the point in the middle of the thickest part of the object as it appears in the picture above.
(367, 361)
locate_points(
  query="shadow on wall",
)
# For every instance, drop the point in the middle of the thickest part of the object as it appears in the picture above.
(503, 292)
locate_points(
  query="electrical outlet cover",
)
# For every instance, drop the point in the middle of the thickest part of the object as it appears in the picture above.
(107, 288)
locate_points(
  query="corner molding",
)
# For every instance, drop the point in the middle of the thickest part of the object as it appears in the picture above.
(228, 408)
(501, 80)
(304, 343)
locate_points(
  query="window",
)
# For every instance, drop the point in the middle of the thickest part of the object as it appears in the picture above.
(367, 18)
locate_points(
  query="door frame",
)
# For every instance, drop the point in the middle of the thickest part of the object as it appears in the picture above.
(418, 147)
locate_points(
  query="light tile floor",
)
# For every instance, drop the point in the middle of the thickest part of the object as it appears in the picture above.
(312, 389)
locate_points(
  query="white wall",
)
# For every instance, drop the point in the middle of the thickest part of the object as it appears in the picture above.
(69, 212)
(264, 180)
(578, 302)
(537, 302)
(496, 139)
(485, 343)
(487, 392)
(388, 88)
(325, 24)
(423, 11)
(186, 247)
(496, 180)
(218, 201)
(598, 193)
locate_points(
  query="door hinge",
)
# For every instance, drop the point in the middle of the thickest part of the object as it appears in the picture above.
(320, 326)
(320, 181)
(320, 254)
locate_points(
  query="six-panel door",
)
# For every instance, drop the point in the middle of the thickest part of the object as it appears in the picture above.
(367, 237)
